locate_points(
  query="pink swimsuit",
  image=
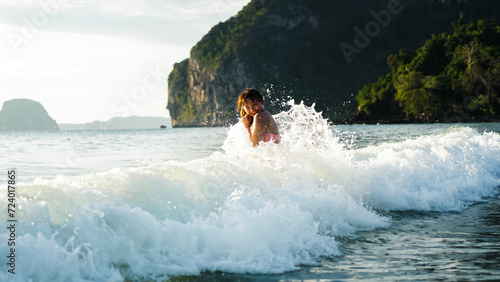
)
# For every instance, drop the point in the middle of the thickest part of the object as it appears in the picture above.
(274, 137)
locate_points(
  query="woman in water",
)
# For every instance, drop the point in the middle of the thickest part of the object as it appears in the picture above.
(259, 122)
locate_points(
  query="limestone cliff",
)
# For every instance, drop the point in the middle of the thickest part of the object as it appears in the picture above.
(320, 51)
(199, 96)
(24, 114)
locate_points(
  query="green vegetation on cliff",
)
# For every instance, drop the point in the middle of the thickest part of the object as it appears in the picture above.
(224, 40)
(451, 77)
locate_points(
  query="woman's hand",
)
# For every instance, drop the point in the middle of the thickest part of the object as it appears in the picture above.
(247, 120)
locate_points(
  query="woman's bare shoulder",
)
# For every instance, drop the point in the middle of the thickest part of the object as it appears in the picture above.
(264, 115)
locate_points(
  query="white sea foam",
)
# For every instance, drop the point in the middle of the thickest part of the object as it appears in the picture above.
(268, 209)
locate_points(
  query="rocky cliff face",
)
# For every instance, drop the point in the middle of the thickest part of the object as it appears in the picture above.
(319, 51)
(210, 96)
(24, 114)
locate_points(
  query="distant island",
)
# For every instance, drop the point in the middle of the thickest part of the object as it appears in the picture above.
(322, 52)
(24, 115)
(132, 122)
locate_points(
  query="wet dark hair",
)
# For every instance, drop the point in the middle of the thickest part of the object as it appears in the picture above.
(251, 94)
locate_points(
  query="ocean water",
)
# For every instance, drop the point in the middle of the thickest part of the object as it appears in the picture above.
(331, 203)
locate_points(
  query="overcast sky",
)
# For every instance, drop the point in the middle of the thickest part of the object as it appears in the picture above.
(94, 60)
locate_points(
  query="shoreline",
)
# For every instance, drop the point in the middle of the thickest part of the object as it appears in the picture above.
(403, 121)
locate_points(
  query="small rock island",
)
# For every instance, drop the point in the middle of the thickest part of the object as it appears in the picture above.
(25, 114)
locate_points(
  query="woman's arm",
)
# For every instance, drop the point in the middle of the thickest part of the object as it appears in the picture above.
(247, 121)
(261, 121)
